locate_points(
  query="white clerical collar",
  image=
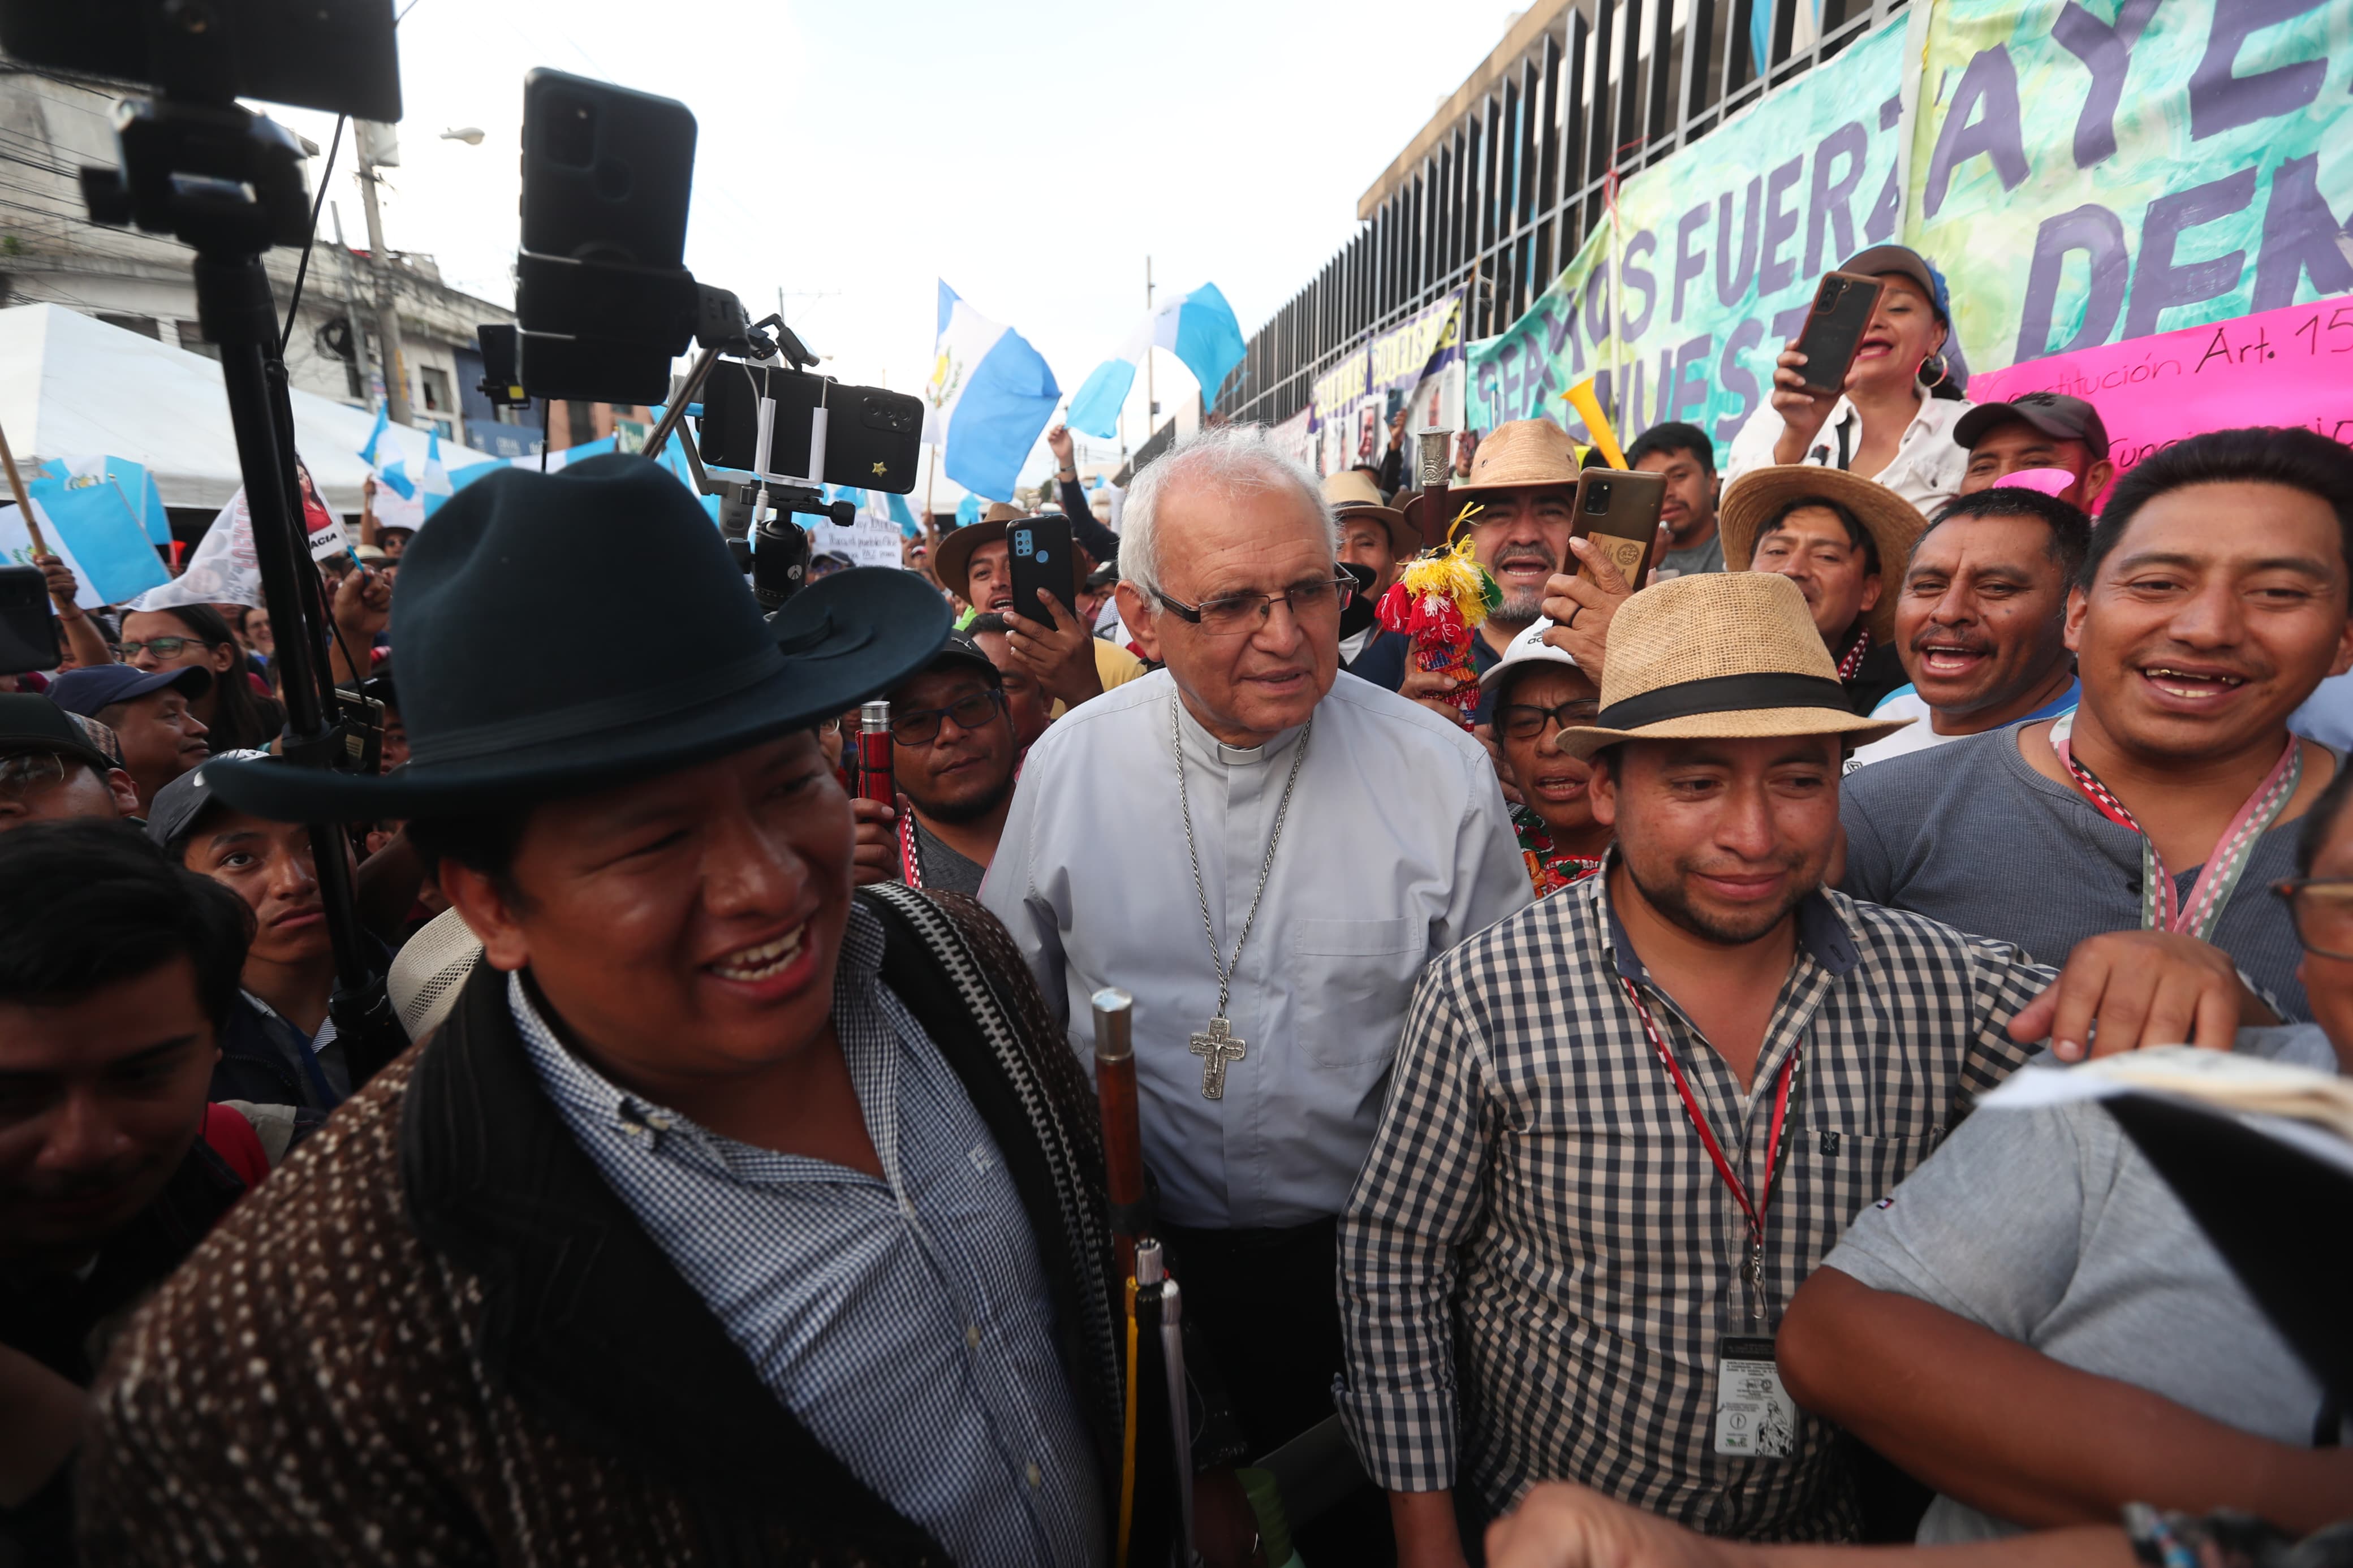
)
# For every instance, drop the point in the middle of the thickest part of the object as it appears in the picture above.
(1199, 742)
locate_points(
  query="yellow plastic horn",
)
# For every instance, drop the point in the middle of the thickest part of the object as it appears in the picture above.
(1589, 408)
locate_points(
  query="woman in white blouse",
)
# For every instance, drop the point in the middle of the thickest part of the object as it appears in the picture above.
(1886, 426)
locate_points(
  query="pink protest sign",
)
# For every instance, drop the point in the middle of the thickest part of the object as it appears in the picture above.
(2291, 366)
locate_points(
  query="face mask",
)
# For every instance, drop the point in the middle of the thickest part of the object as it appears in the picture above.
(1359, 612)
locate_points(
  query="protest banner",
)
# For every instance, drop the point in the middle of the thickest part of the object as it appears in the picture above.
(2068, 208)
(222, 570)
(2293, 366)
(2087, 181)
(1355, 400)
(1716, 253)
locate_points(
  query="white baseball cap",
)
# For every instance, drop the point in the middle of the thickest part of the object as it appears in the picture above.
(1528, 647)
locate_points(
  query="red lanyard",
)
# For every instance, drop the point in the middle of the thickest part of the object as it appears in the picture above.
(2160, 905)
(1753, 1208)
(1852, 662)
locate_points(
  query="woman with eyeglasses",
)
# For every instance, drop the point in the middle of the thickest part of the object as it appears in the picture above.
(1538, 691)
(236, 715)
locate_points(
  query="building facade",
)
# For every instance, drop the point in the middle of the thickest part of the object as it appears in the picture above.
(1502, 187)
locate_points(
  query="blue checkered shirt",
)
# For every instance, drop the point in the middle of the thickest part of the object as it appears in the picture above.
(1538, 1258)
(903, 1320)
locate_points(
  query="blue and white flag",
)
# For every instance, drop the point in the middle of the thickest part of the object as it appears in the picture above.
(1198, 327)
(433, 487)
(138, 487)
(382, 423)
(1805, 32)
(991, 396)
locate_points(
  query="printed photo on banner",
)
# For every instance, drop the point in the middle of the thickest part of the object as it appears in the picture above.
(1355, 400)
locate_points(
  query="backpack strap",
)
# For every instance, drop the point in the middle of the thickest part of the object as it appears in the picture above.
(228, 1134)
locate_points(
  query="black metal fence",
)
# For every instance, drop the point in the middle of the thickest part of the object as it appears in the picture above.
(1502, 200)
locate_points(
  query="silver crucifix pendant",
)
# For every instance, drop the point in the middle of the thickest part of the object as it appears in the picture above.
(1216, 1045)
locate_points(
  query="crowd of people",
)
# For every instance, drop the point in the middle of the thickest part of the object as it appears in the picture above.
(1556, 1082)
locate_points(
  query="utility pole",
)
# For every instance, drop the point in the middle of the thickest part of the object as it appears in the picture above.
(352, 310)
(378, 149)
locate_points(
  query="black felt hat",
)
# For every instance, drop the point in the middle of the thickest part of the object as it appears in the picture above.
(560, 632)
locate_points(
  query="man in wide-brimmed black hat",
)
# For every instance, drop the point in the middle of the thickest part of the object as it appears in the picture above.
(728, 1216)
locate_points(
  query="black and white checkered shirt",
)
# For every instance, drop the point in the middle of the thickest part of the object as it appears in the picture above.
(1538, 1259)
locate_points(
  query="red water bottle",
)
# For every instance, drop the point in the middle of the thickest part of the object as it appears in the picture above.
(874, 780)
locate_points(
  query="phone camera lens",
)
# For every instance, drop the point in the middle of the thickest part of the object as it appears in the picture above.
(1597, 497)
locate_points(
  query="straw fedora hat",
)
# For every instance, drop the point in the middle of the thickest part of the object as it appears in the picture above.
(1353, 494)
(429, 969)
(1719, 656)
(1518, 454)
(1761, 494)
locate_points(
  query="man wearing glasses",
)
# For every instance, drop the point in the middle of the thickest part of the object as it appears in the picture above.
(954, 758)
(1266, 856)
(2037, 1266)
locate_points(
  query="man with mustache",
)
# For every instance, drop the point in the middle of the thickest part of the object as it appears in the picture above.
(953, 752)
(2044, 430)
(1838, 537)
(1523, 481)
(2212, 603)
(117, 975)
(1627, 1122)
(1980, 620)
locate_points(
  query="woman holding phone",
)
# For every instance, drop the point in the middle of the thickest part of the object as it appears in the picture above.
(1894, 421)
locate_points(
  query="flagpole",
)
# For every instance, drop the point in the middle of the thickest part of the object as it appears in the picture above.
(931, 529)
(23, 501)
(1151, 331)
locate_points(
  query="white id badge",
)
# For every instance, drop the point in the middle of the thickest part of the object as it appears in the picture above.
(1755, 1416)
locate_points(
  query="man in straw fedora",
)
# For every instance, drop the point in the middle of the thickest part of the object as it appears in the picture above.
(1844, 540)
(1523, 482)
(1627, 1122)
(727, 1216)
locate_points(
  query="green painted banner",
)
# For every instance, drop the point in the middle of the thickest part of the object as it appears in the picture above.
(2092, 173)
(2083, 171)
(1717, 252)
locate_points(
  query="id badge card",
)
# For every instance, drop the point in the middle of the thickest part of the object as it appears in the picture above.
(1755, 1416)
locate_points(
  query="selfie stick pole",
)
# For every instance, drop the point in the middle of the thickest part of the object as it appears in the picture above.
(24, 503)
(234, 303)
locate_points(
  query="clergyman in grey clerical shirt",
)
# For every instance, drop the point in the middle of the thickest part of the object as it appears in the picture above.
(1397, 846)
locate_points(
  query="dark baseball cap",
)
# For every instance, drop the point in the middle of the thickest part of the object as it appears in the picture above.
(960, 649)
(2053, 412)
(94, 686)
(1875, 261)
(31, 722)
(177, 804)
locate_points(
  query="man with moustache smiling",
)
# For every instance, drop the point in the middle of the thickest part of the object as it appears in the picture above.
(728, 1217)
(2212, 601)
(1980, 620)
(1523, 481)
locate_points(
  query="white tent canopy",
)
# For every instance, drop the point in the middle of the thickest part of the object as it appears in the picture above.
(73, 387)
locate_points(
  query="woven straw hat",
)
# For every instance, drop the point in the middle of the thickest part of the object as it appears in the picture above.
(1894, 524)
(429, 972)
(1353, 494)
(1719, 655)
(953, 562)
(1518, 454)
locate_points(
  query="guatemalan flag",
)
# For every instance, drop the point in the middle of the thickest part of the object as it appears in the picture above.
(990, 396)
(1198, 327)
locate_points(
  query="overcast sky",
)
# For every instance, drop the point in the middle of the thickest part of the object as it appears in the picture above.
(1032, 155)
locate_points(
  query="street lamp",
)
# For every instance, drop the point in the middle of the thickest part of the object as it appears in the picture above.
(470, 135)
